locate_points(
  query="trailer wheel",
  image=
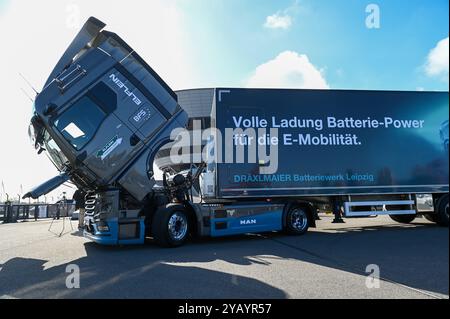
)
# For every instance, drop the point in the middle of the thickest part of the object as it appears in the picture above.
(170, 226)
(442, 211)
(297, 221)
(403, 219)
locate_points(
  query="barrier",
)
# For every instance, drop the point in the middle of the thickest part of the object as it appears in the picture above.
(12, 213)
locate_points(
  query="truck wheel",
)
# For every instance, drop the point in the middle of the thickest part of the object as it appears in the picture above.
(297, 221)
(403, 219)
(170, 226)
(442, 213)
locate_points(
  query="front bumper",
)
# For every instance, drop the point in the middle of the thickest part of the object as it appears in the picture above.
(112, 237)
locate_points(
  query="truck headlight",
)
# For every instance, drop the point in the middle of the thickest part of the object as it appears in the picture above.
(103, 227)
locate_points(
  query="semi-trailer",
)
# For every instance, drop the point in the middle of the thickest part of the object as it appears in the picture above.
(268, 160)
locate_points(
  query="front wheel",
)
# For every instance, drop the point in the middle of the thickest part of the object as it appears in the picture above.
(170, 226)
(297, 221)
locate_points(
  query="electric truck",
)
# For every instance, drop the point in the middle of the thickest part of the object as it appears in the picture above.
(257, 160)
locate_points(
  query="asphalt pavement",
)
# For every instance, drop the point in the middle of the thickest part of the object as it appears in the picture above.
(329, 262)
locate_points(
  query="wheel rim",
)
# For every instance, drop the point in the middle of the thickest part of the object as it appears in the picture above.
(299, 220)
(178, 226)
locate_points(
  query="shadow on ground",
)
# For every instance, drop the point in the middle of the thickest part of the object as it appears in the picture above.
(414, 255)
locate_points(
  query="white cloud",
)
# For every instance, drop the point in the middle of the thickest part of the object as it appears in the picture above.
(437, 61)
(278, 21)
(283, 19)
(288, 70)
(36, 33)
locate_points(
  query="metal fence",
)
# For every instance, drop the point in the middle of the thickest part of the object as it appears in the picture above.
(12, 213)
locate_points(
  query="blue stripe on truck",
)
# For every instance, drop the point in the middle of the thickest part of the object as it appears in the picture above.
(270, 221)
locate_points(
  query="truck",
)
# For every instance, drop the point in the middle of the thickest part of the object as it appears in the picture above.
(256, 160)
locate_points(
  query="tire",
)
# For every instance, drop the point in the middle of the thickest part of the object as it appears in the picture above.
(442, 211)
(403, 219)
(297, 221)
(170, 226)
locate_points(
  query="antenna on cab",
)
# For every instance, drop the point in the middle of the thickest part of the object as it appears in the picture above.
(26, 94)
(29, 84)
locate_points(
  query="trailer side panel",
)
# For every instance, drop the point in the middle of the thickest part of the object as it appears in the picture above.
(336, 142)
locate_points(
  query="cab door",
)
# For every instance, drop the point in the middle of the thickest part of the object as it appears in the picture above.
(136, 110)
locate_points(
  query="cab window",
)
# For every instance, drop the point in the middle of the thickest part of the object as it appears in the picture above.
(79, 124)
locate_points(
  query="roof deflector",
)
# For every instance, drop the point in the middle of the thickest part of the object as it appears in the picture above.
(87, 34)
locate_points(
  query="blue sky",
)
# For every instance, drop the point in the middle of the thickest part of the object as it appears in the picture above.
(2, 4)
(228, 41)
(232, 41)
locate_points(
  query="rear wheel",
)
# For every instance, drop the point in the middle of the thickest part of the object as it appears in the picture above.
(442, 211)
(297, 221)
(170, 226)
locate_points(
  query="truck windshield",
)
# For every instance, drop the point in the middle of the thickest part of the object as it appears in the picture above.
(53, 151)
(79, 124)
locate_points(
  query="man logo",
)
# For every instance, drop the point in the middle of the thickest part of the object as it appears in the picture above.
(248, 222)
(126, 90)
(231, 212)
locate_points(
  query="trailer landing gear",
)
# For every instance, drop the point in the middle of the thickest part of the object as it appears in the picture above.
(338, 219)
(337, 213)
